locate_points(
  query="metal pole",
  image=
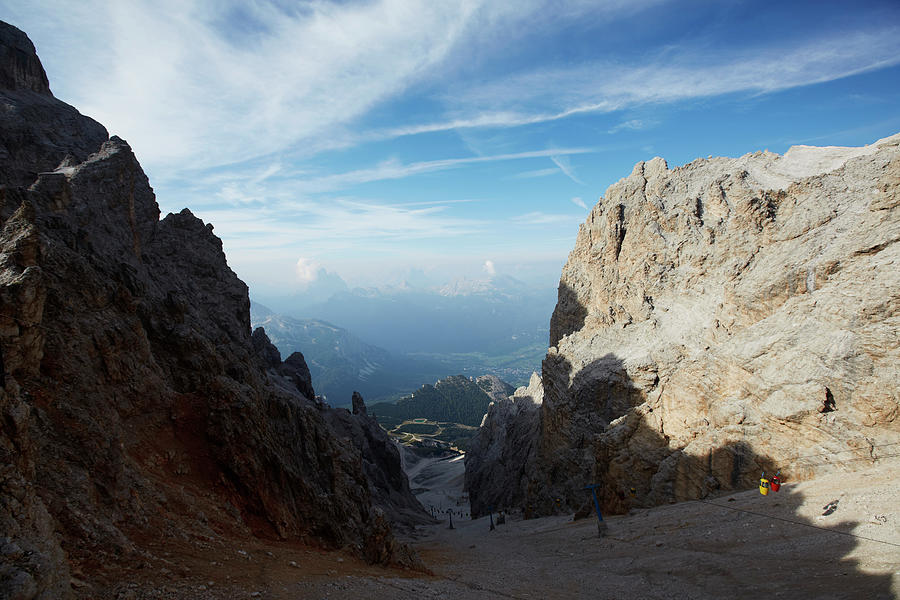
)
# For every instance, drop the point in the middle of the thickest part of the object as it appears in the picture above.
(601, 526)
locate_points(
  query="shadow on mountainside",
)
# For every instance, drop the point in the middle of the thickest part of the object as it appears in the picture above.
(568, 316)
(598, 428)
(769, 545)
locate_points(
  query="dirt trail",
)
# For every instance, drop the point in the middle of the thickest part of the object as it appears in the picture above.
(438, 484)
(741, 545)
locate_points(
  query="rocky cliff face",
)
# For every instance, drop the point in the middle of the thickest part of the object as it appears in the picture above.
(388, 483)
(135, 404)
(494, 387)
(715, 320)
(500, 459)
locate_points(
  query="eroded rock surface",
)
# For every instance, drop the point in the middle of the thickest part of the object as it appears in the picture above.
(715, 320)
(135, 404)
(388, 484)
(500, 458)
(494, 387)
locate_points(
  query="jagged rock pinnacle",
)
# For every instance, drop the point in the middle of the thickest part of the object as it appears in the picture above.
(20, 68)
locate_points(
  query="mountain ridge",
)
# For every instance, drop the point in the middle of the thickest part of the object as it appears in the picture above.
(341, 363)
(456, 399)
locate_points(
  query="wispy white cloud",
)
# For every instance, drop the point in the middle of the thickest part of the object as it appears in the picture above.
(535, 173)
(632, 125)
(260, 186)
(340, 223)
(579, 202)
(565, 165)
(489, 267)
(177, 84)
(494, 118)
(286, 226)
(222, 82)
(244, 186)
(439, 202)
(542, 218)
(179, 81)
(395, 170)
(551, 94)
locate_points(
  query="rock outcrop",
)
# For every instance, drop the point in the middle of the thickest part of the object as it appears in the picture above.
(715, 320)
(40, 132)
(135, 404)
(494, 387)
(388, 483)
(500, 458)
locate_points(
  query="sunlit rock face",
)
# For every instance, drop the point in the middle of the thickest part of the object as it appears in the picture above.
(720, 319)
(134, 403)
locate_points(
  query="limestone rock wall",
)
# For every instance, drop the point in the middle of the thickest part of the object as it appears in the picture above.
(500, 458)
(721, 318)
(134, 403)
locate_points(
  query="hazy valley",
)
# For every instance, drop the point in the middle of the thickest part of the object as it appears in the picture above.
(386, 344)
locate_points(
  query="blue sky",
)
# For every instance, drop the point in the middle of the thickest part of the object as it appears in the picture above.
(459, 137)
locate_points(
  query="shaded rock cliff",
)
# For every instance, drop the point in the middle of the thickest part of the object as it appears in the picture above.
(715, 320)
(500, 458)
(388, 482)
(135, 404)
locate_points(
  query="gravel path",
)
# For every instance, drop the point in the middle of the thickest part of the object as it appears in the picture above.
(742, 545)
